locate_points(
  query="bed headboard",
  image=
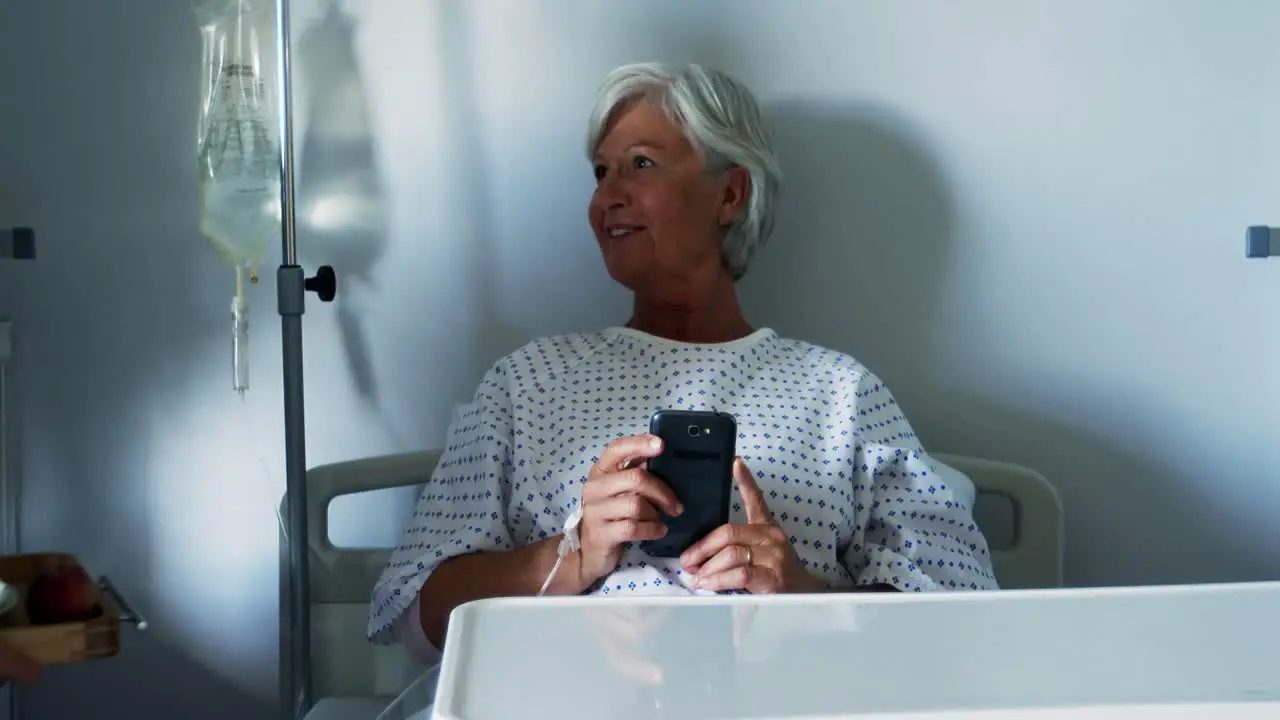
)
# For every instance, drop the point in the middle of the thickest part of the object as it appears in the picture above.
(345, 665)
(1033, 556)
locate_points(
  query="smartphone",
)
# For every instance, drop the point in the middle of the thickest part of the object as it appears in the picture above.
(698, 448)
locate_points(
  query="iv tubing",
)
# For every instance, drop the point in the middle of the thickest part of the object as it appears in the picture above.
(240, 336)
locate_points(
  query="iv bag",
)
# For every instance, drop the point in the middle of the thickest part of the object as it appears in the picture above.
(239, 159)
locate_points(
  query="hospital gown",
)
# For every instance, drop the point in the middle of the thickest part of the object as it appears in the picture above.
(840, 468)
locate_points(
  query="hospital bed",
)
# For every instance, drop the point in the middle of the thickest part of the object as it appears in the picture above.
(354, 680)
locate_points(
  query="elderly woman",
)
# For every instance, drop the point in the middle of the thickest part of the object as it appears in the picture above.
(834, 492)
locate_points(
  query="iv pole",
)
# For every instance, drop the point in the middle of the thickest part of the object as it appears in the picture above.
(291, 291)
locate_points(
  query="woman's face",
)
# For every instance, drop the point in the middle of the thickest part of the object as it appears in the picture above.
(658, 216)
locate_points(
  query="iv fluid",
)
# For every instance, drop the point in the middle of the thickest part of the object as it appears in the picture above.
(239, 159)
(240, 194)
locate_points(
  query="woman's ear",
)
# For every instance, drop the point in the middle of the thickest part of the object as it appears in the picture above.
(733, 195)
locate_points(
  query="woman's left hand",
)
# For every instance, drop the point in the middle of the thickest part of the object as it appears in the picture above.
(755, 556)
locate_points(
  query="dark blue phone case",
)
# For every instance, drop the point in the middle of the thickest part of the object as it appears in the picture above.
(697, 464)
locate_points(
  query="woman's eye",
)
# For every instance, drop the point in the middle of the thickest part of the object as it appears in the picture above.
(640, 162)
(599, 172)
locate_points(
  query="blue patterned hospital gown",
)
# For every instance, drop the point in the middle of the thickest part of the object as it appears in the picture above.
(840, 468)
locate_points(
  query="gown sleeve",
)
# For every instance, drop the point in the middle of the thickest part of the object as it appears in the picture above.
(915, 532)
(462, 508)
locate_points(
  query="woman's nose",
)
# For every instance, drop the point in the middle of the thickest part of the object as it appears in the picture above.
(612, 191)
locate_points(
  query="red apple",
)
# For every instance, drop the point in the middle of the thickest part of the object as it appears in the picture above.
(64, 595)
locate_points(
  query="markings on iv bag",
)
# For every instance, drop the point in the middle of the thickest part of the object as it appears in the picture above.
(237, 141)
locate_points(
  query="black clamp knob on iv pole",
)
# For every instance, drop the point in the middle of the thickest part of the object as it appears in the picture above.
(324, 284)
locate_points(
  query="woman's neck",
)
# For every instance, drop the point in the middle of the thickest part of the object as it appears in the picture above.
(714, 317)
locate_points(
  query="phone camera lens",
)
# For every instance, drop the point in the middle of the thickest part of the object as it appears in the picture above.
(694, 431)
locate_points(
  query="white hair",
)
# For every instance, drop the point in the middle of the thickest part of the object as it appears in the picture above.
(722, 120)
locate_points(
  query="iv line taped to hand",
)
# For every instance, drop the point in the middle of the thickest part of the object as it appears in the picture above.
(569, 542)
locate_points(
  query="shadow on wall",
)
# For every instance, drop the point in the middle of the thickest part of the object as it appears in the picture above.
(861, 261)
(862, 240)
(342, 209)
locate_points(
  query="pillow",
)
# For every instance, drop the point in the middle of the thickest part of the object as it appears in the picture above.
(959, 483)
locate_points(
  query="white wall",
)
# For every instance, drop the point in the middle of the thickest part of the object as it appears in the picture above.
(1026, 216)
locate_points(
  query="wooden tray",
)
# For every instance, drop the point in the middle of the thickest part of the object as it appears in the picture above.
(58, 643)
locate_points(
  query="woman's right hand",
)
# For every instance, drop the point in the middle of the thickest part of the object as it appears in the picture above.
(620, 503)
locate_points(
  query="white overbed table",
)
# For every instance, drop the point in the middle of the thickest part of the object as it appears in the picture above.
(1176, 652)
